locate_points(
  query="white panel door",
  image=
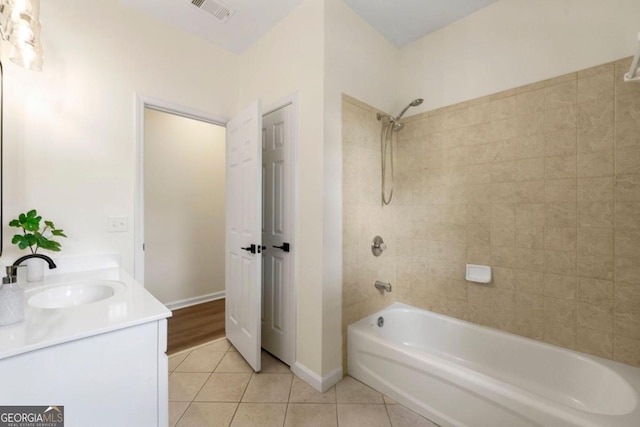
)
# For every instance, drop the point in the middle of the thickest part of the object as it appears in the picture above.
(276, 234)
(243, 233)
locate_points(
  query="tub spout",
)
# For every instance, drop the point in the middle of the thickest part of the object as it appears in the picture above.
(383, 286)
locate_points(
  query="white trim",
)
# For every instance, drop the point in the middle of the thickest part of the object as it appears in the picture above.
(321, 384)
(176, 305)
(289, 100)
(163, 378)
(142, 102)
(181, 110)
(292, 100)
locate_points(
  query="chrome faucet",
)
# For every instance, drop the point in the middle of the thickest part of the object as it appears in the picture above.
(26, 257)
(383, 286)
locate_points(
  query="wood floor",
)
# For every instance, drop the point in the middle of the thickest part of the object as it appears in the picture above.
(195, 325)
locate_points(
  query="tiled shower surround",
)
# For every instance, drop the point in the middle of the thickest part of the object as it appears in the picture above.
(541, 182)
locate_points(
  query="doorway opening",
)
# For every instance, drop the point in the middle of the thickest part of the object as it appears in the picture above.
(157, 212)
(184, 185)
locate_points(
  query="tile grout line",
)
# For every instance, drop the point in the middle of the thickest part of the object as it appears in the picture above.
(169, 401)
(615, 174)
(286, 408)
(208, 378)
(197, 347)
(575, 266)
(287, 405)
(190, 350)
(181, 416)
(386, 409)
(197, 393)
(288, 401)
(171, 373)
(243, 391)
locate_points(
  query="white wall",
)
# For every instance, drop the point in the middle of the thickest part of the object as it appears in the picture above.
(320, 50)
(360, 62)
(290, 59)
(514, 42)
(69, 142)
(184, 209)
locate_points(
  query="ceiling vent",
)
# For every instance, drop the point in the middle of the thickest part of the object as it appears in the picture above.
(218, 10)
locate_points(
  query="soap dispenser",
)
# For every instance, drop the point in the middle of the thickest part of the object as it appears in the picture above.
(11, 299)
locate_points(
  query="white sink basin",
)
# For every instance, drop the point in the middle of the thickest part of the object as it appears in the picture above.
(74, 294)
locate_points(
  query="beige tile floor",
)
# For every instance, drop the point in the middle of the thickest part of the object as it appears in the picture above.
(212, 385)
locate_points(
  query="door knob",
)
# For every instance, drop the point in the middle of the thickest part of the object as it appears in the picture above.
(285, 247)
(251, 249)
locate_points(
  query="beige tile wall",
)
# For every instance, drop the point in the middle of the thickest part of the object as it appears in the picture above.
(363, 218)
(541, 182)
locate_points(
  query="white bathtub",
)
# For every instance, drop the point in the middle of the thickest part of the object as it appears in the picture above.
(457, 373)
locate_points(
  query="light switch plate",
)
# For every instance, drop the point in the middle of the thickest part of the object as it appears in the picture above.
(118, 224)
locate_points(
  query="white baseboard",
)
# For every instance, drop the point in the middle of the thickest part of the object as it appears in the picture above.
(321, 384)
(193, 301)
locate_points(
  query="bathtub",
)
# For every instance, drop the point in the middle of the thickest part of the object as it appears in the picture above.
(457, 373)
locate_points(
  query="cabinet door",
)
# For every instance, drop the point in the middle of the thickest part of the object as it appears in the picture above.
(89, 377)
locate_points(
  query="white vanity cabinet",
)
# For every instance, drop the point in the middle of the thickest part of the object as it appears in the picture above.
(105, 361)
(118, 378)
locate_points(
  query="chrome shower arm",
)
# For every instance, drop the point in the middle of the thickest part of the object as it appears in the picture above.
(413, 103)
(403, 111)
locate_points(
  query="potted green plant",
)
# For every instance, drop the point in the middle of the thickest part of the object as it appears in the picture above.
(35, 236)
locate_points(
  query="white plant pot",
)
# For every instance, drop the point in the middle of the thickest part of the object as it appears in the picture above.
(35, 269)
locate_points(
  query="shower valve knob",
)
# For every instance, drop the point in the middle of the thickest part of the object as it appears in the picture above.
(378, 246)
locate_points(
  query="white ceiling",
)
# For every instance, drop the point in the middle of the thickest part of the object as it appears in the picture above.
(403, 21)
(400, 21)
(252, 19)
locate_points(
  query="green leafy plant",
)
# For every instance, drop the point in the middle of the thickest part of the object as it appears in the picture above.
(32, 236)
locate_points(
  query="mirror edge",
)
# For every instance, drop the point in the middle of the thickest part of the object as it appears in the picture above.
(1, 153)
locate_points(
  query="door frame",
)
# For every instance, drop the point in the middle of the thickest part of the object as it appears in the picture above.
(141, 103)
(292, 100)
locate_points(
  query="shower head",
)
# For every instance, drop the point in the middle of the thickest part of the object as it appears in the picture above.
(413, 103)
(395, 122)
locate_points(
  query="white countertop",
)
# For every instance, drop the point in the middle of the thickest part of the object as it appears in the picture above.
(132, 305)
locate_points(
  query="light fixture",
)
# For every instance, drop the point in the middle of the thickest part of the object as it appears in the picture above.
(20, 26)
